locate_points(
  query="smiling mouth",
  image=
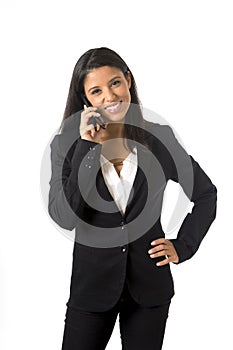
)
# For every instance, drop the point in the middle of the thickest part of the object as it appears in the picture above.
(114, 108)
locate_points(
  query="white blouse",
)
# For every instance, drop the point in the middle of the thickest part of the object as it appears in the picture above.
(120, 186)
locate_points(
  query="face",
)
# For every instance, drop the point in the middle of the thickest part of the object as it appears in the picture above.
(108, 89)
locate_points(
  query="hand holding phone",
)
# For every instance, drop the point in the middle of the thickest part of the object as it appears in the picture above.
(93, 120)
(90, 116)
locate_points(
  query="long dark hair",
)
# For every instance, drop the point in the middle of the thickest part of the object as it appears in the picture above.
(95, 58)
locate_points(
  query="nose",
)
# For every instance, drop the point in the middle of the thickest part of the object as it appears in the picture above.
(109, 95)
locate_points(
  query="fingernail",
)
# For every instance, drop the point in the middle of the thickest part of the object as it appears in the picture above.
(158, 264)
(152, 243)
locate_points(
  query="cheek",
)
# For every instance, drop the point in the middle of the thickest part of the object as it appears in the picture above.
(124, 93)
(128, 96)
(95, 100)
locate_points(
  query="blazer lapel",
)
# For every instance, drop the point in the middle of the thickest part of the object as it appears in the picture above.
(144, 165)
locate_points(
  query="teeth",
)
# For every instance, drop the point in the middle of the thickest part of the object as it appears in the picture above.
(113, 108)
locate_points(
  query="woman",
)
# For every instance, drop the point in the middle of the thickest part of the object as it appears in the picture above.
(108, 179)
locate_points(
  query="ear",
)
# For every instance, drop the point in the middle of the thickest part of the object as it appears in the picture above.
(128, 78)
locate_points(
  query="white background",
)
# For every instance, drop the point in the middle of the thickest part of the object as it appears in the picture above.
(180, 53)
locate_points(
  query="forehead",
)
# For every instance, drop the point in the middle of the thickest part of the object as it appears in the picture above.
(102, 75)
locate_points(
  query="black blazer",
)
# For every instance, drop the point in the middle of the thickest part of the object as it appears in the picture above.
(111, 248)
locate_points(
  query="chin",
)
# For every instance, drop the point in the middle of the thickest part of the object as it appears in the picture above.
(115, 119)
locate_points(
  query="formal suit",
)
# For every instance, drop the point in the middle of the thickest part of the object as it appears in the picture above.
(111, 248)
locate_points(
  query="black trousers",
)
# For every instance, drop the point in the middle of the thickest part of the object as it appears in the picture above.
(140, 327)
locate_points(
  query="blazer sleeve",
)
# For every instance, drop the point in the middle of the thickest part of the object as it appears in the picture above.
(73, 167)
(187, 172)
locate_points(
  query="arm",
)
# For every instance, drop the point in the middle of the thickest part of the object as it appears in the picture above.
(196, 224)
(180, 167)
(73, 163)
(203, 195)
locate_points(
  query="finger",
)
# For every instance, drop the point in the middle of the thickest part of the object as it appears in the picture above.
(91, 109)
(157, 248)
(89, 127)
(156, 255)
(163, 262)
(87, 110)
(158, 241)
(86, 119)
(94, 130)
(164, 252)
(92, 114)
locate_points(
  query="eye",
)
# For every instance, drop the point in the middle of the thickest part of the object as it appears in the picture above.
(116, 82)
(94, 92)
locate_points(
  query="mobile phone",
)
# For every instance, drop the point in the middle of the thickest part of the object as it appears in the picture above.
(93, 120)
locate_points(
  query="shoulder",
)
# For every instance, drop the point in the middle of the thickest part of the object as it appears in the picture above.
(71, 123)
(67, 138)
(163, 133)
(157, 128)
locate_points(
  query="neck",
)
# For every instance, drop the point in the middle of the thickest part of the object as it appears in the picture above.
(114, 147)
(114, 130)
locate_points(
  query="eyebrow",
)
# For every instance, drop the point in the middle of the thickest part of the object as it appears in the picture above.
(94, 87)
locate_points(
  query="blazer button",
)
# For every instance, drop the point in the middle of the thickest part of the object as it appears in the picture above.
(123, 249)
